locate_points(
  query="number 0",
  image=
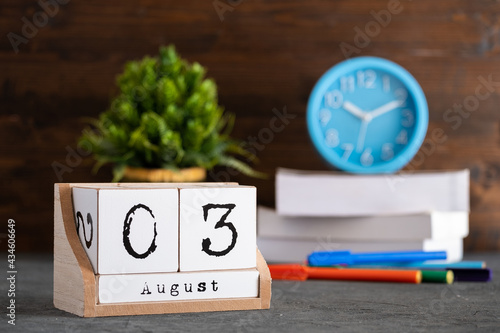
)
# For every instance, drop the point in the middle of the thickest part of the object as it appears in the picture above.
(126, 233)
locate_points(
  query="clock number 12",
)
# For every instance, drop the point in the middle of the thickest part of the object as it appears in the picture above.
(367, 78)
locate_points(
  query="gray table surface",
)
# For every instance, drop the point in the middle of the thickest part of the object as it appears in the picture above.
(295, 307)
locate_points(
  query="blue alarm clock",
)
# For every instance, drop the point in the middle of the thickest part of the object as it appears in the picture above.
(367, 115)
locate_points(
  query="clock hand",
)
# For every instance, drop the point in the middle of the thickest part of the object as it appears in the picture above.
(362, 135)
(384, 109)
(354, 110)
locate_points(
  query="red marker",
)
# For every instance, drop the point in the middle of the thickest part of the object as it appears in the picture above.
(301, 273)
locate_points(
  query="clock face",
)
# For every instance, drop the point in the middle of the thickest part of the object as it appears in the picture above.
(367, 115)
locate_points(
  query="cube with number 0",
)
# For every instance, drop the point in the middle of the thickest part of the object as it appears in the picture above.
(217, 228)
(128, 230)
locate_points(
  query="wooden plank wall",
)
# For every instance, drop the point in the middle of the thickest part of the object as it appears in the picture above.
(264, 55)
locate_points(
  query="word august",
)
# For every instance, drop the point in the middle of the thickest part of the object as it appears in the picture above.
(188, 288)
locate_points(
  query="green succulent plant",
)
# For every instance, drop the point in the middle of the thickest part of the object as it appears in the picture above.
(167, 116)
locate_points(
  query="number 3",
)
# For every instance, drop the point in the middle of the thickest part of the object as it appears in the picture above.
(205, 245)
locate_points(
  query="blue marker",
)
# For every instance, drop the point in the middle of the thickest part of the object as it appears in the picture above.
(329, 258)
(424, 265)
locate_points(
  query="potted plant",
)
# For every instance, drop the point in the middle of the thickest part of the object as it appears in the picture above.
(165, 124)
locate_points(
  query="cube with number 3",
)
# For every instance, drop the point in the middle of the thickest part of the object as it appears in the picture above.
(217, 228)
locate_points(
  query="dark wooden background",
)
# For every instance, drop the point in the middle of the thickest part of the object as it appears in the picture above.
(263, 55)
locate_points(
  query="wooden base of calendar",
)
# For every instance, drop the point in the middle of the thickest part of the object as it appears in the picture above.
(75, 284)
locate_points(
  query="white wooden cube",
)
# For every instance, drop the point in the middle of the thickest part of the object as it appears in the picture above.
(129, 230)
(217, 228)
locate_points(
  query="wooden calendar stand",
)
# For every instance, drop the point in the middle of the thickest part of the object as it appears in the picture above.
(75, 284)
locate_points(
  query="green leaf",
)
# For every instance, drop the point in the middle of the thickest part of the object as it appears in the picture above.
(241, 167)
(118, 172)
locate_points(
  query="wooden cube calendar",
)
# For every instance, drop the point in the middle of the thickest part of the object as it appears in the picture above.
(144, 248)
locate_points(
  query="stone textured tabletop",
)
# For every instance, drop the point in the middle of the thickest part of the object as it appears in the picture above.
(295, 307)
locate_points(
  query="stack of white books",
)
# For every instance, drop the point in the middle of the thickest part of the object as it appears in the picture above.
(323, 211)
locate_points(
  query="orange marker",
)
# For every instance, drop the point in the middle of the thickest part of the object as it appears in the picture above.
(301, 273)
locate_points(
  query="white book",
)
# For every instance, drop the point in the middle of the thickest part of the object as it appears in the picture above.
(316, 193)
(430, 225)
(296, 251)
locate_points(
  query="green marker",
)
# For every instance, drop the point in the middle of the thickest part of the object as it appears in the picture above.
(437, 277)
